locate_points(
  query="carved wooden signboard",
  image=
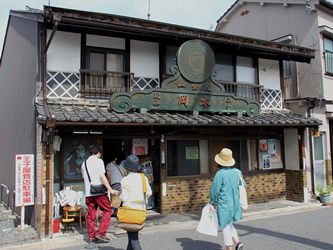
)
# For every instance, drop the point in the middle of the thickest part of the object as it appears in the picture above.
(192, 88)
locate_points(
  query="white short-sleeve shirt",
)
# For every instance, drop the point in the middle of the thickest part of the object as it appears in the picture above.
(95, 166)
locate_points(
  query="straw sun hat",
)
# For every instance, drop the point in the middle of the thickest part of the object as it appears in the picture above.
(224, 158)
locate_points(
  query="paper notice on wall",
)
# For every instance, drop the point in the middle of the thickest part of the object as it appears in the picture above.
(267, 161)
(263, 146)
(276, 157)
(140, 147)
(271, 146)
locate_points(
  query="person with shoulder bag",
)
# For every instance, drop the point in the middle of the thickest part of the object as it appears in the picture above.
(96, 186)
(225, 190)
(115, 174)
(132, 194)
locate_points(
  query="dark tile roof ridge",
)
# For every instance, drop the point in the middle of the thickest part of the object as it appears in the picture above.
(286, 112)
(99, 111)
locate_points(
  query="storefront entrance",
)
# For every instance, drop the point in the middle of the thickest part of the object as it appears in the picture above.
(118, 149)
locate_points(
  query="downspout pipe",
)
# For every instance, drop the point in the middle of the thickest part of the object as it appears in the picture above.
(313, 105)
(50, 125)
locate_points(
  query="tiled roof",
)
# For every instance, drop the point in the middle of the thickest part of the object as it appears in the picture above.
(98, 111)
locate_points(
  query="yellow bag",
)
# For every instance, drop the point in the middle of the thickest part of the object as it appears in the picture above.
(131, 215)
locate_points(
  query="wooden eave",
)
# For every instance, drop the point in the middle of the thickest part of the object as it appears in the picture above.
(140, 27)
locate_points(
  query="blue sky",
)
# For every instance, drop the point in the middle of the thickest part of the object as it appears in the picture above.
(192, 13)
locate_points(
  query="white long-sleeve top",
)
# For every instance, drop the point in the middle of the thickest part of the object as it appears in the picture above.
(132, 191)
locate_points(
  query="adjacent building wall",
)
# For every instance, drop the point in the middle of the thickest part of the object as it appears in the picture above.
(325, 24)
(271, 20)
(19, 73)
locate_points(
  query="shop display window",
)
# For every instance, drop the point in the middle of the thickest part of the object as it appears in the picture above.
(250, 155)
(183, 157)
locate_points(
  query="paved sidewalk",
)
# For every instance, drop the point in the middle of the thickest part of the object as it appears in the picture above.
(167, 222)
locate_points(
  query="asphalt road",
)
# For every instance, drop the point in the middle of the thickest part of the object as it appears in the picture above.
(300, 230)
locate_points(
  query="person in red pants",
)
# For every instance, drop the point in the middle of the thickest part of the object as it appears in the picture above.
(93, 172)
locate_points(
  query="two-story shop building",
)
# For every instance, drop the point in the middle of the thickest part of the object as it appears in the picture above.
(173, 95)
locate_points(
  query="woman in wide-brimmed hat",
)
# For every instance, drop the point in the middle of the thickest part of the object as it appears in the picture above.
(225, 190)
(132, 194)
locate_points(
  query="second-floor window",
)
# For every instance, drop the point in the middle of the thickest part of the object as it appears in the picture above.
(245, 70)
(104, 71)
(328, 53)
(235, 69)
(225, 68)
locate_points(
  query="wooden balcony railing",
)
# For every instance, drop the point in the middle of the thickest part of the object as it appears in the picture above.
(99, 84)
(249, 91)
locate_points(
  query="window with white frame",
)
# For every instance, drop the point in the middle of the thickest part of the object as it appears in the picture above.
(328, 54)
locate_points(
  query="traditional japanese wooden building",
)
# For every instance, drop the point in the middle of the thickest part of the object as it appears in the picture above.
(173, 95)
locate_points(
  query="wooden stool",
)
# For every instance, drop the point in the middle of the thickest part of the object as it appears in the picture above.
(73, 212)
(67, 223)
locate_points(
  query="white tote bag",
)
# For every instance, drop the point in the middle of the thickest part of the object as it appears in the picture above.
(208, 222)
(242, 194)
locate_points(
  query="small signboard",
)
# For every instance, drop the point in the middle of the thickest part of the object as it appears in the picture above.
(140, 147)
(24, 180)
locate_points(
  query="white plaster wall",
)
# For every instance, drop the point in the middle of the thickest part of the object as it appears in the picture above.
(291, 149)
(64, 52)
(269, 74)
(144, 59)
(105, 42)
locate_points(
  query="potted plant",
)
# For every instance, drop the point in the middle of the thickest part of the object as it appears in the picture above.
(325, 194)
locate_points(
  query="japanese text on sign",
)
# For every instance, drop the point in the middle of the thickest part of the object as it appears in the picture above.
(24, 180)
